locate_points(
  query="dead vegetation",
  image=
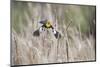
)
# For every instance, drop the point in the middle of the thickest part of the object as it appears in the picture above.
(76, 44)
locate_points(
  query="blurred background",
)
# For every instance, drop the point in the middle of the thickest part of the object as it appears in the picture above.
(76, 23)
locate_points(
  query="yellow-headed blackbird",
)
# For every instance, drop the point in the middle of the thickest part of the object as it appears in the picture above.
(47, 25)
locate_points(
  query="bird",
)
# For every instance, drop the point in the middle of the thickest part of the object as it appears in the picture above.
(46, 24)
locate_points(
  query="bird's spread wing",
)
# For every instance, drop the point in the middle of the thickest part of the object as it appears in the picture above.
(43, 21)
(36, 33)
(56, 34)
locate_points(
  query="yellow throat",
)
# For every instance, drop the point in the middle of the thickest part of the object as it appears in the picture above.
(48, 24)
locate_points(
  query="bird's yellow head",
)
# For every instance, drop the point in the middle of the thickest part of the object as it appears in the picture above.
(48, 24)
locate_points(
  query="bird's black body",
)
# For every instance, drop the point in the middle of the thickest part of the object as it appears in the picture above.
(47, 25)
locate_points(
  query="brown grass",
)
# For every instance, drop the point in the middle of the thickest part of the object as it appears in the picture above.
(74, 45)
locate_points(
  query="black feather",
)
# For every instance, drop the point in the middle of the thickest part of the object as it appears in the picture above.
(43, 21)
(57, 35)
(36, 33)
